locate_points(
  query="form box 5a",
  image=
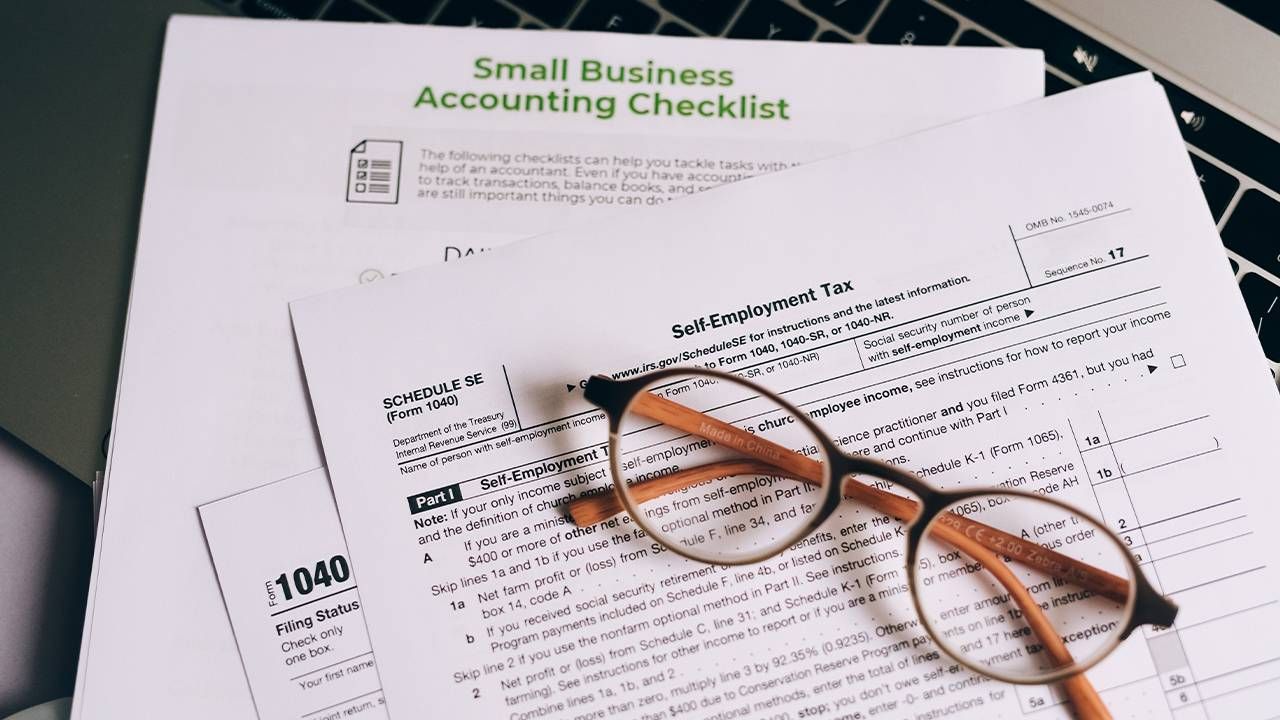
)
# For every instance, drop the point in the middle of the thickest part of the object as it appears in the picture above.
(433, 499)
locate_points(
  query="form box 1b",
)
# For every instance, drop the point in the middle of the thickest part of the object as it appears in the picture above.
(433, 499)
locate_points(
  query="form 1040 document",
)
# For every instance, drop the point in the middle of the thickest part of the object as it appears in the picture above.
(1034, 299)
(293, 602)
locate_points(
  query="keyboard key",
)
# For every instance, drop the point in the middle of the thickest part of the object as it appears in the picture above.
(709, 16)
(1218, 186)
(676, 30)
(850, 15)
(911, 22)
(1263, 300)
(281, 8)
(1225, 138)
(973, 38)
(1253, 231)
(551, 12)
(476, 13)
(627, 16)
(771, 20)
(406, 11)
(347, 11)
(1065, 48)
(1054, 84)
(833, 36)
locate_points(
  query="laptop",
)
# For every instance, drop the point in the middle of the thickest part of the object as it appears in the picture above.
(77, 156)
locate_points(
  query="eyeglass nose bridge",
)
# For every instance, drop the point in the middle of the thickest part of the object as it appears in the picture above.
(845, 466)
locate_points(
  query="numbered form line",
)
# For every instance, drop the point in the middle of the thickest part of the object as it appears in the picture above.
(1194, 548)
(1057, 695)
(1147, 432)
(1147, 544)
(1184, 514)
(1188, 532)
(1125, 474)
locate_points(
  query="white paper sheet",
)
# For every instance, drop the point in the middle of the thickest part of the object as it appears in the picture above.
(252, 201)
(293, 601)
(1036, 298)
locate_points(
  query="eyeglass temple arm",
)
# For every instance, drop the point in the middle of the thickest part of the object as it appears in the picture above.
(1084, 697)
(775, 460)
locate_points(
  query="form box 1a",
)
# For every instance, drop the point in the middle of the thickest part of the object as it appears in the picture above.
(434, 499)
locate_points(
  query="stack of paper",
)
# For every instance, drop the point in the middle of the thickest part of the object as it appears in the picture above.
(1105, 360)
(289, 159)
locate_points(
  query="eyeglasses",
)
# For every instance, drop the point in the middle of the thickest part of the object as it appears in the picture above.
(1014, 584)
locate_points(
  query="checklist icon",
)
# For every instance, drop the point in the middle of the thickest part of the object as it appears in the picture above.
(373, 172)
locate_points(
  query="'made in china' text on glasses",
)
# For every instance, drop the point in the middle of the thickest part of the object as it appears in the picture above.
(1018, 586)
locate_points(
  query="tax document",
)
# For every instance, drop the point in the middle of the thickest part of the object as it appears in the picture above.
(292, 158)
(292, 600)
(1066, 326)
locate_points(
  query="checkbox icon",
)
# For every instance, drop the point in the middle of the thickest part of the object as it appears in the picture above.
(1177, 361)
(373, 172)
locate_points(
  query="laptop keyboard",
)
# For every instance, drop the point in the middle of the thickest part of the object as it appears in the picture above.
(1238, 167)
